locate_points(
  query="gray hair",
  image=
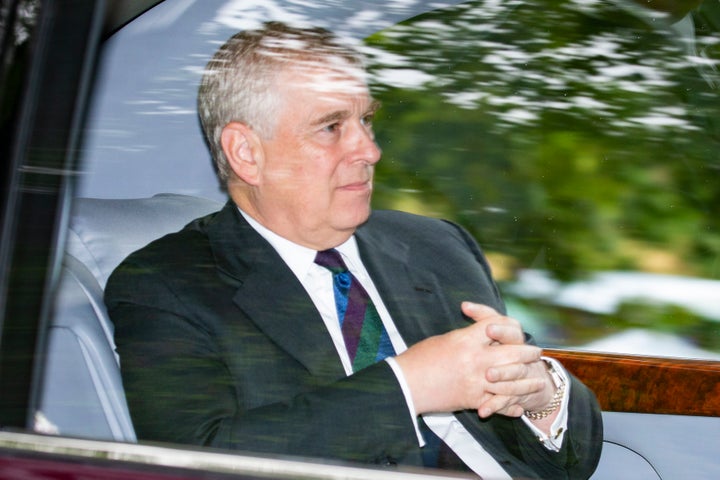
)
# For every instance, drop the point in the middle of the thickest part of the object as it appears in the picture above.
(239, 81)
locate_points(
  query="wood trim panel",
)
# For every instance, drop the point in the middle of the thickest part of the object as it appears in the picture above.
(628, 383)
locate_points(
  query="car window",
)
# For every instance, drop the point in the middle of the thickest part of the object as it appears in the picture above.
(581, 156)
(577, 141)
(143, 136)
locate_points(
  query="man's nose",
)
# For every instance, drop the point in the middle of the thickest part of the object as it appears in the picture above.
(364, 146)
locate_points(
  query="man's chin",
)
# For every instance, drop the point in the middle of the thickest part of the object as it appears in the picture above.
(351, 223)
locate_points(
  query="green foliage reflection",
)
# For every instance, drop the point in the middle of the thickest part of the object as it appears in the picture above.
(568, 136)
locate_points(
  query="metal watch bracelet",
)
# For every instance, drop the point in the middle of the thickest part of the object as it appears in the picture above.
(556, 399)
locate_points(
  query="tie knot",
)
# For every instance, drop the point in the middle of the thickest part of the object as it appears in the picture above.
(331, 260)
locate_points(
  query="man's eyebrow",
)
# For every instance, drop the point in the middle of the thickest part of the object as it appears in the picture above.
(332, 117)
(340, 115)
(374, 107)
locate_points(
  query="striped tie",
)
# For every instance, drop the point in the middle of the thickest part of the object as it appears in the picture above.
(365, 336)
(367, 342)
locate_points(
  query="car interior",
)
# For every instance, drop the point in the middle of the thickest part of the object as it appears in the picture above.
(82, 394)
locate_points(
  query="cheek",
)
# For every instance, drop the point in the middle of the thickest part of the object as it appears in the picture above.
(313, 175)
(298, 186)
(285, 172)
(304, 172)
(277, 177)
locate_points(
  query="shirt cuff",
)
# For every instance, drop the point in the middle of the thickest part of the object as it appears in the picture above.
(559, 426)
(408, 398)
(557, 429)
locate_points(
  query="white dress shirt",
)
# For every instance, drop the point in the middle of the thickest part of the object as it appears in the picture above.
(317, 281)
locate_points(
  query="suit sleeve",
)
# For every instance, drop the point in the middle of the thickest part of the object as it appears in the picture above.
(582, 443)
(179, 389)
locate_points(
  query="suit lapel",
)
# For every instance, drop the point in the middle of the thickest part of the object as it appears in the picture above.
(270, 295)
(412, 296)
(419, 310)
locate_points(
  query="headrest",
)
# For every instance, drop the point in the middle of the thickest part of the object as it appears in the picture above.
(103, 232)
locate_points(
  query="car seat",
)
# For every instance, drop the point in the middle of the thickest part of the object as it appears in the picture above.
(82, 393)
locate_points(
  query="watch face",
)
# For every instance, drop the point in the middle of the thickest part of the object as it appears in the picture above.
(557, 379)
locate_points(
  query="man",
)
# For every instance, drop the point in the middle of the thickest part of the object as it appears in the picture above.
(229, 331)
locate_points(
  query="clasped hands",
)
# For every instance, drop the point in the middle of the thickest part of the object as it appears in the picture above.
(486, 367)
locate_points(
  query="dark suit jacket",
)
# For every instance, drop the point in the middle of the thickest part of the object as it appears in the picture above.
(220, 345)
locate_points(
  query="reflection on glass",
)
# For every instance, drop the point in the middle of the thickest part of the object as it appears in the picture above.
(574, 139)
(578, 141)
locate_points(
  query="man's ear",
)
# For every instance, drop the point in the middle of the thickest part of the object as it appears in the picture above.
(243, 151)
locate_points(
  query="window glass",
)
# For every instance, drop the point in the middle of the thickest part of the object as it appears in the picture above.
(577, 141)
(143, 135)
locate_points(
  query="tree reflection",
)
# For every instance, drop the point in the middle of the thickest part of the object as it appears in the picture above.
(568, 136)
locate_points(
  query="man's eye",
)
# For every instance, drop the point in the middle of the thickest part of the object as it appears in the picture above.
(333, 127)
(367, 120)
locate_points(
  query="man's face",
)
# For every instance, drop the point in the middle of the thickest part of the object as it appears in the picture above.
(315, 180)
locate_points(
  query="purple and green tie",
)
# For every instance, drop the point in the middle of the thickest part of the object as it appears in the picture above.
(365, 337)
(367, 342)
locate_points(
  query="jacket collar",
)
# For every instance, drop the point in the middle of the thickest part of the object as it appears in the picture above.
(411, 295)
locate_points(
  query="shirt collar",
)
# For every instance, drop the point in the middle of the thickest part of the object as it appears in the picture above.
(298, 258)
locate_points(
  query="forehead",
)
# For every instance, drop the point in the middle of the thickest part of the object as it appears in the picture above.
(336, 78)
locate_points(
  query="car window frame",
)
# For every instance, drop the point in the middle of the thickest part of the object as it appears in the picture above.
(41, 165)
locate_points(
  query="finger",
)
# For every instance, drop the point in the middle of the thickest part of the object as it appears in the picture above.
(509, 334)
(512, 410)
(504, 405)
(520, 388)
(508, 398)
(509, 354)
(478, 311)
(505, 373)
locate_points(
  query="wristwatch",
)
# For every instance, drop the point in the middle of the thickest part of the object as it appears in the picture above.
(556, 399)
